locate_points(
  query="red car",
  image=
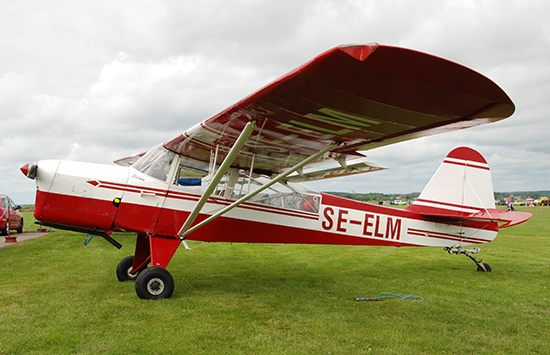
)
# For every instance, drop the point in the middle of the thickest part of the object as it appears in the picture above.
(10, 217)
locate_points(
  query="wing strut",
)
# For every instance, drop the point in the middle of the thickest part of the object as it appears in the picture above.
(239, 143)
(185, 230)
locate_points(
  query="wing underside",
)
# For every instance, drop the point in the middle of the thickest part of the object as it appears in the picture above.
(358, 97)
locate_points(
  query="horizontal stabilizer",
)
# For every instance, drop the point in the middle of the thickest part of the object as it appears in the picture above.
(490, 215)
(510, 217)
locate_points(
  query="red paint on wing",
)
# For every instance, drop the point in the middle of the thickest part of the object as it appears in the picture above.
(359, 52)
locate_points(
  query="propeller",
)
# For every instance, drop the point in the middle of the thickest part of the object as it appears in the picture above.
(29, 170)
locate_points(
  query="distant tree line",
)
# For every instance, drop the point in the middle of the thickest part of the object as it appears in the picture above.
(376, 196)
(522, 194)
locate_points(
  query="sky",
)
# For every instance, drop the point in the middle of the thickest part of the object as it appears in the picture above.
(97, 81)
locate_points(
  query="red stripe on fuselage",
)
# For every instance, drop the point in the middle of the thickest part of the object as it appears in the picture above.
(239, 231)
(452, 205)
(445, 236)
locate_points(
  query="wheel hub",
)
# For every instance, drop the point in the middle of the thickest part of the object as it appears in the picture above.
(155, 286)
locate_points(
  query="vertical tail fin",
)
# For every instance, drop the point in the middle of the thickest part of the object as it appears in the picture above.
(462, 186)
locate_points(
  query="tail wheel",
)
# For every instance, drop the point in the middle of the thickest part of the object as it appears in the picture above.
(154, 283)
(124, 269)
(484, 268)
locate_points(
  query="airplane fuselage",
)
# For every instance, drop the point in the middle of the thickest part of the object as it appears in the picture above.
(99, 197)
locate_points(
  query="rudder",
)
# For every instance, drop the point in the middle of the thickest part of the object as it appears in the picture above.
(461, 186)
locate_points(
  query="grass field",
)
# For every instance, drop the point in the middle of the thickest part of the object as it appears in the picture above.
(59, 297)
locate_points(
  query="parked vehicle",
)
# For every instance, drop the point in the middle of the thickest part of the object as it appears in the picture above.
(10, 217)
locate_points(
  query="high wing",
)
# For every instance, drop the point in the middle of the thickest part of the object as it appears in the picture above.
(348, 99)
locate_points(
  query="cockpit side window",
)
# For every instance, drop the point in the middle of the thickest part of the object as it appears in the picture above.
(155, 163)
(190, 172)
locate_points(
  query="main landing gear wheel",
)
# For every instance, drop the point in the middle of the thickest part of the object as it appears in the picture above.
(124, 269)
(154, 283)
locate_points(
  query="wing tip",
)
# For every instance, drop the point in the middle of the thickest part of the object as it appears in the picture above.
(359, 51)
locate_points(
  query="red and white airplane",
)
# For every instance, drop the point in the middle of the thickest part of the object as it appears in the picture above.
(235, 176)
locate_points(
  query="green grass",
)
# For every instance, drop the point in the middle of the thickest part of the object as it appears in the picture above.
(59, 297)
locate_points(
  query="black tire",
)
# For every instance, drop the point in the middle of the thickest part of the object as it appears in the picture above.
(6, 230)
(487, 267)
(124, 269)
(154, 283)
(20, 229)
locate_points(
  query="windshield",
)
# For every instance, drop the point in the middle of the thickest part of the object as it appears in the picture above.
(155, 163)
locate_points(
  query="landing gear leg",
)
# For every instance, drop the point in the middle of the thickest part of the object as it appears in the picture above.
(481, 266)
(156, 282)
